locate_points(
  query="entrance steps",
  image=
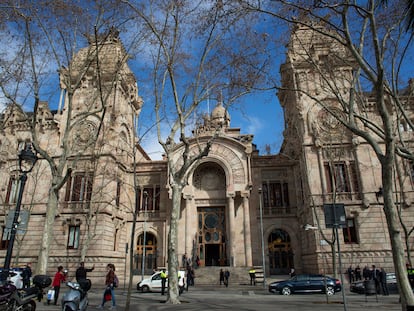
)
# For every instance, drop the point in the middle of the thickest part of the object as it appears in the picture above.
(238, 275)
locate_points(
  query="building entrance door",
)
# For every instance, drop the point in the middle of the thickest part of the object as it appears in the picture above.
(212, 236)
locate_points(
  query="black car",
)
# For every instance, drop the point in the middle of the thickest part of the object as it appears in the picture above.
(307, 283)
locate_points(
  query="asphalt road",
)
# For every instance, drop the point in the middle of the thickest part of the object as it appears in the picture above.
(239, 297)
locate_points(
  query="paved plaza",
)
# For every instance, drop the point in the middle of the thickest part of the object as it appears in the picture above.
(239, 297)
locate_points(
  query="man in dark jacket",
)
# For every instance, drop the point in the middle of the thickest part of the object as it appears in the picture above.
(26, 275)
(82, 271)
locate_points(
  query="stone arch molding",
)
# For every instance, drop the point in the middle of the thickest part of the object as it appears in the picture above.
(224, 156)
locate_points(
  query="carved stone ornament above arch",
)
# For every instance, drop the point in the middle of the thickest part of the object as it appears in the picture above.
(231, 163)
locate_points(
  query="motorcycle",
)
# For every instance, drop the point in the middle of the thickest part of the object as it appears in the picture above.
(76, 299)
(13, 299)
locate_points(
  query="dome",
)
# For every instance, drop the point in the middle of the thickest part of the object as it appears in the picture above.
(220, 116)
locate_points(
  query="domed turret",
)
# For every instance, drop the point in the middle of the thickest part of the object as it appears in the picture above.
(220, 116)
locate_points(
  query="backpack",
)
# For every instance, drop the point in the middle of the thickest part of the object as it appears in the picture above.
(116, 281)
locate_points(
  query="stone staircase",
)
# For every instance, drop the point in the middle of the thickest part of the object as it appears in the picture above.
(238, 275)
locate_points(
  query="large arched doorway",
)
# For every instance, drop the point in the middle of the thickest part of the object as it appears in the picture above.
(149, 256)
(209, 180)
(280, 252)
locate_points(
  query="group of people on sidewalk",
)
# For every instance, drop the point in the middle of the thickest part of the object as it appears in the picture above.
(377, 275)
(111, 282)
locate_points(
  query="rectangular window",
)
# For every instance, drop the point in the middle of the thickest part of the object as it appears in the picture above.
(337, 177)
(73, 238)
(350, 232)
(152, 202)
(275, 194)
(4, 243)
(79, 187)
(12, 190)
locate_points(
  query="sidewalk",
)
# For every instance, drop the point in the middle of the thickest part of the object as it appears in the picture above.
(238, 297)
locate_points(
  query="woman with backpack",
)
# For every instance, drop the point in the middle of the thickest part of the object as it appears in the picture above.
(111, 281)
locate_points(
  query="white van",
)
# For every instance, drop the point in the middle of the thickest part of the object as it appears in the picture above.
(153, 283)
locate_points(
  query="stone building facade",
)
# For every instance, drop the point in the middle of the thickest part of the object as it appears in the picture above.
(233, 194)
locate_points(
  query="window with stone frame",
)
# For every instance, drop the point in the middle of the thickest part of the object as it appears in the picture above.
(4, 243)
(350, 232)
(73, 237)
(12, 189)
(275, 196)
(341, 176)
(79, 187)
(153, 199)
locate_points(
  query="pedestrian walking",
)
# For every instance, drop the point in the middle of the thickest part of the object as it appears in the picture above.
(221, 276)
(226, 277)
(58, 279)
(81, 272)
(163, 276)
(27, 275)
(110, 279)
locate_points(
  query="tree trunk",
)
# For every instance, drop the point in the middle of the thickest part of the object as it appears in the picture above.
(52, 205)
(394, 229)
(173, 292)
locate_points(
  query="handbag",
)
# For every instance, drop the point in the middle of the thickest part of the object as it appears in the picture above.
(107, 294)
(50, 294)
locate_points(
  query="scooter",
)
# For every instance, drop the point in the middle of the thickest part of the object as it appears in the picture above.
(13, 299)
(76, 299)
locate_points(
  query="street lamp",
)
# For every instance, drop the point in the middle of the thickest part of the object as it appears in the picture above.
(262, 238)
(145, 233)
(27, 160)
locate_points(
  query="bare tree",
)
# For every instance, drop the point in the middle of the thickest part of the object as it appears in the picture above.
(47, 39)
(363, 73)
(197, 50)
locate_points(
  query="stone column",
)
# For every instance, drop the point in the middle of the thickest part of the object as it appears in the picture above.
(247, 233)
(231, 229)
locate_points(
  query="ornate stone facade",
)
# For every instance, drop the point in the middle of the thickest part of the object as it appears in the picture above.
(231, 194)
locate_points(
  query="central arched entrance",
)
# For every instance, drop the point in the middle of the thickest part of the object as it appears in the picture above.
(212, 236)
(209, 181)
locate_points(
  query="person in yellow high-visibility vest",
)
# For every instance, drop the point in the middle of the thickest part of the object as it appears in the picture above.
(163, 276)
(252, 273)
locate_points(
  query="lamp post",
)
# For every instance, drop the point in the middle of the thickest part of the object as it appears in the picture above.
(27, 160)
(145, 234)
(262, 238)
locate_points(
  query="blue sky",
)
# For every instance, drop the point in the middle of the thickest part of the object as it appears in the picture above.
(258, 114)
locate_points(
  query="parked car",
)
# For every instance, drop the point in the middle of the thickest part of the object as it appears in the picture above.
(307, 283)
(153, 283)
(15, 277)
(359, 286)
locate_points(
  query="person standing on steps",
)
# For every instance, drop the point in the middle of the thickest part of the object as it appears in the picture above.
(221, 277)
(226, 278)
(252, 273)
